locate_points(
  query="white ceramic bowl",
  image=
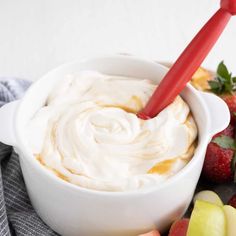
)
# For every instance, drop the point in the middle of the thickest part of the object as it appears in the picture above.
(71, 210)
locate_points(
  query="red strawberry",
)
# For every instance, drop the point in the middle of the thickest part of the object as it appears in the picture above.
(231, 102)
(219, 162)
(232, 201)
(224, 85)
(229, 131)
(179, 228)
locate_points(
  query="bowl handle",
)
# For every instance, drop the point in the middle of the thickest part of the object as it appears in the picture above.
(218, 110)
(7, 126)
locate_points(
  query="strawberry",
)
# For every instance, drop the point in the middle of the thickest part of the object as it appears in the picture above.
(224, 85)
(232, 201)
(229, 131)
(231, 103)
(179, 228)
(219, 164)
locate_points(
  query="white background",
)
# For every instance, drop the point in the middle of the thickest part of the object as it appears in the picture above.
(37, 35)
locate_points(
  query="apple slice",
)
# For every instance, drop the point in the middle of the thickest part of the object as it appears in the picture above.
(208, 196)
(207, 220)
(230, 215)
(179, 228)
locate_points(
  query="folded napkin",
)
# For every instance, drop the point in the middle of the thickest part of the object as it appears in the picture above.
(17, 216)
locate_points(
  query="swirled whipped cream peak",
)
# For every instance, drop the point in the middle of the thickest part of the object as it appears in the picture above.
(88, 134)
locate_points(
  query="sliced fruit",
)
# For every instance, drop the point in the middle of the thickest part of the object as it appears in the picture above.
(207, 220)
(179, 228)
(208, 196)
(152, 233)
(200, 79)
(230, 215)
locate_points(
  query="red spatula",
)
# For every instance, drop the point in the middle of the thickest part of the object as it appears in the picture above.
(189, 61)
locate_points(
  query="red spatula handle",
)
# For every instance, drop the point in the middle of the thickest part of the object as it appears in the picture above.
(188, 62)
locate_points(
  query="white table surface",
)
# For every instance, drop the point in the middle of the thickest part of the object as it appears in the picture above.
(38, 35)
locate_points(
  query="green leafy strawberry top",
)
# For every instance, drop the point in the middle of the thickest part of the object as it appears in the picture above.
(225, 142)
(224, 82)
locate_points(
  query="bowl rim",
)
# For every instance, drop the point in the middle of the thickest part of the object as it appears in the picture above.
(28, 156)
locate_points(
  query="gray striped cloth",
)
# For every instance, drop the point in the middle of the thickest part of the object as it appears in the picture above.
(17, 217)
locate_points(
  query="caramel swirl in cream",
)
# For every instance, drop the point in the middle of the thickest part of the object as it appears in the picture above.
(89, 135)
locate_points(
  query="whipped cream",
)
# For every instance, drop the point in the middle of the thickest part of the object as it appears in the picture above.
(89, 135)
